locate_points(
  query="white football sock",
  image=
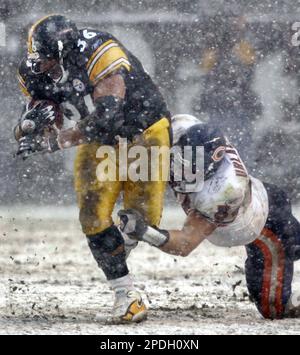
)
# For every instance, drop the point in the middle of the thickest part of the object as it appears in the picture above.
(124, 282)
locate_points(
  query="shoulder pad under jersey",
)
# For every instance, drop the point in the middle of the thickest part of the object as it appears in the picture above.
(104, 54)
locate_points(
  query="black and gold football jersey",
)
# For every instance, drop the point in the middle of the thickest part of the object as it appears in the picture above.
(98, 55)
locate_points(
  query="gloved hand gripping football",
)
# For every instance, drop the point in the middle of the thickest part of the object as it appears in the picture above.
(42, 116)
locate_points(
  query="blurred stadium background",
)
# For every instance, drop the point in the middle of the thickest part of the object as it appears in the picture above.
(231, 62)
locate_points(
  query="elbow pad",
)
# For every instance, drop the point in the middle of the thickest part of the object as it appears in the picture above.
(105, 122)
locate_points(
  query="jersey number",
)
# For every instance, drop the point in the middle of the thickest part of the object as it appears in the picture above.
(89, 35)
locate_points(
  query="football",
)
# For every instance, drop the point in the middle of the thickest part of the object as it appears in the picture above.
(54, 110)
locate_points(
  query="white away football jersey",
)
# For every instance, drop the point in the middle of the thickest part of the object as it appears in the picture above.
(234, 200)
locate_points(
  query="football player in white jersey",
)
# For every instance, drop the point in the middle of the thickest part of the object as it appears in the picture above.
(231, 209)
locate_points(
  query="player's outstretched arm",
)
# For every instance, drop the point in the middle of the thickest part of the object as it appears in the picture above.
(175, 242)
(195, 230)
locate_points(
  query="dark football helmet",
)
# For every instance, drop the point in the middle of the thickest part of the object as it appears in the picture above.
(49, 41)
(214, 147)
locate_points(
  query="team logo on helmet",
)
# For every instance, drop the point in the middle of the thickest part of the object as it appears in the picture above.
(219, 154)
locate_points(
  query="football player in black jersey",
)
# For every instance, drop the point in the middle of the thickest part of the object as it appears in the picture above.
(99, 83)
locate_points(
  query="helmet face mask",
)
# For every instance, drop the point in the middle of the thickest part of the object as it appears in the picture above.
(187, 169)
(40, 64)
(203, 165)
(56, 72)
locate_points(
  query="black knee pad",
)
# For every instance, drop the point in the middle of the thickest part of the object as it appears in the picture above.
(108, 250)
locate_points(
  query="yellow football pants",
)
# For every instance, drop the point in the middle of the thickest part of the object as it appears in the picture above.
(96, 199)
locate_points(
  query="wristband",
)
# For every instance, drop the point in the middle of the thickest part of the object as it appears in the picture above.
(156, 237)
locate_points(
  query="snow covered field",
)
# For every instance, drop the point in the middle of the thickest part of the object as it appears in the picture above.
(49, 283)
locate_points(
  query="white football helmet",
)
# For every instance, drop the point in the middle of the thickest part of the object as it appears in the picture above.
(180, 123)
